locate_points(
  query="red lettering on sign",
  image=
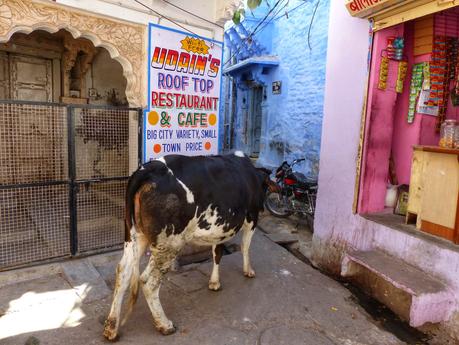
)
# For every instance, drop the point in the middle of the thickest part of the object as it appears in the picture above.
(359, 5)
(154, 98)
(169, 100)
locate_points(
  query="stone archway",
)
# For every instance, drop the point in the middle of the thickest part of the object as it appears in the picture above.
(124, 41)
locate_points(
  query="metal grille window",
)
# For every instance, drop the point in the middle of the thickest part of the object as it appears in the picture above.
(34, 212)
(34, 224)
(33, 143)
(100, 208)
(63, 174)
(101, 142)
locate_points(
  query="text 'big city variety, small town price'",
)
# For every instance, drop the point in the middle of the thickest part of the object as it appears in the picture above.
(184, 94)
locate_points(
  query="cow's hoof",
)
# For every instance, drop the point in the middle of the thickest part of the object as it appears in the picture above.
(250, 274)
(214, 286)
(167, 330)
(110, 332)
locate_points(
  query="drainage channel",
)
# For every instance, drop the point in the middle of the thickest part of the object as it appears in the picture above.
(386, 318)
(381, 316)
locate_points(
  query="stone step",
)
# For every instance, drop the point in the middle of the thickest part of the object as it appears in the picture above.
(85, 280)
(431, 299)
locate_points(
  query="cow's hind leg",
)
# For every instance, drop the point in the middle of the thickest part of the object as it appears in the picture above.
(214, 282)
(247, 232)
(160, 262)
(127, 272)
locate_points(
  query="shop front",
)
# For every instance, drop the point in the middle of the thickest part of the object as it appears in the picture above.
(398, 237)
(411, 118)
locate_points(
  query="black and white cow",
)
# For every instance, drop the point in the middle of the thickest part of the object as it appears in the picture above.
(177, 200)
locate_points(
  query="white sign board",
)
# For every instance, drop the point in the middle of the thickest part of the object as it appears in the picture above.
(184, 81)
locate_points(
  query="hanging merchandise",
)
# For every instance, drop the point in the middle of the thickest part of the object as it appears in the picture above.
(456, 82)
(447, 66)
(395, 47)
(426, 76)
(452, 46)
(398, 45)
(415, 88)
(401, 75)
(438, 69)
(383, 73)
(454, 97)
(390, 50)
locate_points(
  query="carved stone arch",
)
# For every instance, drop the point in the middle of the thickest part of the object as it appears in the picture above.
(124, 41)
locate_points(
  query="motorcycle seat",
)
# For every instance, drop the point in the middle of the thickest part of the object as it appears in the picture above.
(307, 182)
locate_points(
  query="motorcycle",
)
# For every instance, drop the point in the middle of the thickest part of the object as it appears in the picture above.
(295, 193)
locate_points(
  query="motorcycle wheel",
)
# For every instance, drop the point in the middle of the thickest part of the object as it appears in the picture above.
(276, 205)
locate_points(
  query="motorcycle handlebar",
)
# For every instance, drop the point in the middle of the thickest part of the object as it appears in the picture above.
(286, 166)
(298, 160)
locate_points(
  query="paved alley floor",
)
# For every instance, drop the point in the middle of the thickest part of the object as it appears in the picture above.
(288, 302)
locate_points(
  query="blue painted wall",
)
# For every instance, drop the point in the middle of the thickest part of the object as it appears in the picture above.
(292, 120)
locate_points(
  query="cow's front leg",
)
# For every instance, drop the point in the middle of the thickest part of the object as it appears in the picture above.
(151, 278)
(214, 282)
(247, 232)
(127, 272)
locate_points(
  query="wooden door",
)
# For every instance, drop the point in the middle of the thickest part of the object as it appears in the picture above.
(35, 128)
(31, 78)
(256, 97)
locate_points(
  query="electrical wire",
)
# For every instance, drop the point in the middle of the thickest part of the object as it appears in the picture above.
(260, 28)
(291, 11)
(310, 24)
(193, 14)
(272, 18)
(275, 17)
(254, 31)
(167, 18)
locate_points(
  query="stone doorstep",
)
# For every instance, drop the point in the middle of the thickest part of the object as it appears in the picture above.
(431, 300)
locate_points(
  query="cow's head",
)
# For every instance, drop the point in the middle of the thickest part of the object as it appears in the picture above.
(267, 183)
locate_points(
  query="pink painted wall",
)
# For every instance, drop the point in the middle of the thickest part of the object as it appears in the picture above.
(380, 124)
(406, 135)
(335, 225)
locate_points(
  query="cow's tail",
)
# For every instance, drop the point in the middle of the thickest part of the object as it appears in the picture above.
(135, 183)
(134, 188)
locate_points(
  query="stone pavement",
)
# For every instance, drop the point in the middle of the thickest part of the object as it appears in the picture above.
(288, 302)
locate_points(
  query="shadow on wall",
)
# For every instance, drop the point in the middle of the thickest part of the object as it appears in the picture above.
(282, 150)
